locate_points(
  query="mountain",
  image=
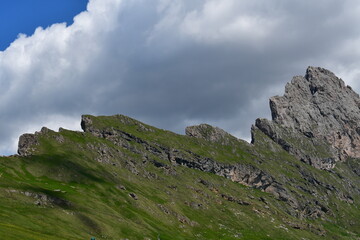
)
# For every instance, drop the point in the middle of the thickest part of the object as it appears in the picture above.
(123, 179)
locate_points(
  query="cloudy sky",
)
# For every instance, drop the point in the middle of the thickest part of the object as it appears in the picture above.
(169, 63)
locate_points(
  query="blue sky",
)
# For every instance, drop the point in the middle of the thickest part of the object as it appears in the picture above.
(169, 63)
(24, 16)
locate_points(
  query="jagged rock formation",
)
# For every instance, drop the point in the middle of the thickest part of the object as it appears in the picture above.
(28, 141)
(316, 152)
(26, 144)
(317, 111)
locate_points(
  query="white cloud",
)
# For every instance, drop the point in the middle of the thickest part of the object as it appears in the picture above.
(216, 21)
(228, 20)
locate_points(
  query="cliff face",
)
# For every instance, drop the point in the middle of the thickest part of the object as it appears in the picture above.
(316, 110)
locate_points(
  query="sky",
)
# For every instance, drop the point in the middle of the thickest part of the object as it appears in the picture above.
(24, 16)
(168, 63)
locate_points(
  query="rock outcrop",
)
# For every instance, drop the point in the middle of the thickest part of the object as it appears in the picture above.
(244, 174)
(211, 134)
(28, 142)
(317, 119)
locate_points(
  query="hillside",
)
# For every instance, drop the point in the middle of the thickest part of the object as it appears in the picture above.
(123, 179)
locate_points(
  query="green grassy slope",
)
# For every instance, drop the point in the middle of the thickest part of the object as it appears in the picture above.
(76, 185)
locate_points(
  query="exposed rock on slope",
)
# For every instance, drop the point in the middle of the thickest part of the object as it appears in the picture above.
(316, 152)
(28, 141)
(316, 110)
(210, 133)
(245, 174)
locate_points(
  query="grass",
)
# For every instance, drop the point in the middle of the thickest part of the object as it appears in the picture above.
(170, 205)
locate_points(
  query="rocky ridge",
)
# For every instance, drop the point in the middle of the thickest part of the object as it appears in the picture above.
(245, 174)
(316, 110)
(303, 126)
(302, 131)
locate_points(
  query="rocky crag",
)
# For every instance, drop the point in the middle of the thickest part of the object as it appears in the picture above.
(122, 178)
(317, 111)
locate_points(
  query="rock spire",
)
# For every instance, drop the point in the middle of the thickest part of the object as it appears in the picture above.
(319, 110)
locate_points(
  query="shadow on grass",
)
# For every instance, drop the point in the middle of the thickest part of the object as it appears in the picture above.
(70, 168)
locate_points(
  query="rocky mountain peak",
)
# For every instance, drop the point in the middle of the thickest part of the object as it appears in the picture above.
(321, 107)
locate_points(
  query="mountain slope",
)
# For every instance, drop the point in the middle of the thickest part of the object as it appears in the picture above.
(123, 179)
